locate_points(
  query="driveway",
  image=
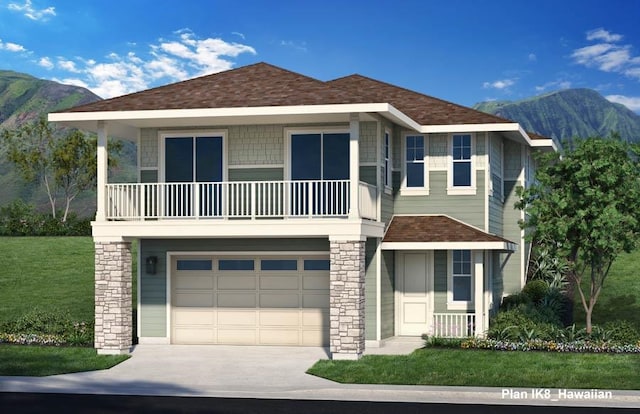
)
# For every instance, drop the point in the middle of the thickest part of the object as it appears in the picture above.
(262, 372)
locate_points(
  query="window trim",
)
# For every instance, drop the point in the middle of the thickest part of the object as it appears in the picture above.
(387, 160)
(461, 190)
(414, 191)
(163, 135)
(466, 305)
(292, 131)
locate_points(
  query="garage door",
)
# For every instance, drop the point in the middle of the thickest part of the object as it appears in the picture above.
(263, 300)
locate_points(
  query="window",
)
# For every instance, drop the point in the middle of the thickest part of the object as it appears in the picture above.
(320, 156)
(278, 264)
(460, 291)
(461, 154)
(387, 159)
(235, 264)
(317, 264)
(194, 264)
(414, 161)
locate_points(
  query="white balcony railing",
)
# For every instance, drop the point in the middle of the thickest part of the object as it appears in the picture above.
(237, 199)
(454, 325)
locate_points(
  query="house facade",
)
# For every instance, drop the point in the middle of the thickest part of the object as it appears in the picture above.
(276, 209)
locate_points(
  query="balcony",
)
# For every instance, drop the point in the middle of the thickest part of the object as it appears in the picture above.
(249, 200)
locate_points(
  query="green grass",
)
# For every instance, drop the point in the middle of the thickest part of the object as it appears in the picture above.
(488, 369)
(620, 297)
(54, 273)
(39, 361)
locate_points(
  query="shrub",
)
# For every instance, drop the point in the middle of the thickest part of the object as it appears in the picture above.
(47, 328)
(523, 322)
(536, 290)
(21, 219)
(621, 332)
(514, 300)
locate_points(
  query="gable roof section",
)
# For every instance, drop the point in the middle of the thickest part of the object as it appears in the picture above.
(439, 232)
(424, 109)
(256, 85)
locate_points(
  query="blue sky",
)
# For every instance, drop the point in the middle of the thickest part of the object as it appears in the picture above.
(461, 51)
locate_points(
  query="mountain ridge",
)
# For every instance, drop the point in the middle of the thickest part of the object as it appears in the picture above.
(568, 113)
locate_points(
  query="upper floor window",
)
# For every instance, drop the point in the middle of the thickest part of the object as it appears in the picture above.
(461, 151)
(462, 180)
(414, 161)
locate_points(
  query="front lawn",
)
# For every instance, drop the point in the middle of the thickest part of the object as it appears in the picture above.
(39, 361)
(488, 369)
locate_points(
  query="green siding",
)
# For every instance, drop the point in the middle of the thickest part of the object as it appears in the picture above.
(511, 215)
(149, 176)
(497, 280)
(370, 291)
(368, 174)
(495, 216)
(387, 207)
(440, 281)
(153, 295)
(387, 293)
(255, 174)
(467, 208)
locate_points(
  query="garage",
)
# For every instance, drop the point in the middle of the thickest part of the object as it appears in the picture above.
(250, 300)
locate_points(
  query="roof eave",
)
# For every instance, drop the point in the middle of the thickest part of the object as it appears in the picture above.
(502, 246)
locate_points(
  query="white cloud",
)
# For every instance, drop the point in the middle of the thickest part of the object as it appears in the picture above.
(556, 84)
(46, 63)
(608, 55)
(532, 57)
(601, 34)
(183, 57)
(301, 46)
(499, 84)
(630, 102)
(241, 35)
(32, 13)
(12, 47)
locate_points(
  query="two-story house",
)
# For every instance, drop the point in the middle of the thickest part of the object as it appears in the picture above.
(273, 208)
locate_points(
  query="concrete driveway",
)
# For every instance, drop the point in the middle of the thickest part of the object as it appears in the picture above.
(261, 372)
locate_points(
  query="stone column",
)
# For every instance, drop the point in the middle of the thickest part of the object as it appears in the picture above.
(113, 329)
(346, 299)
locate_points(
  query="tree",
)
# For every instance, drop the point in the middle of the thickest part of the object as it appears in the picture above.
(64, 161)
(585, 206)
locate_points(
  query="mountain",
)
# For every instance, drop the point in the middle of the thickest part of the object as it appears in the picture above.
(24, 98)
(567, 114)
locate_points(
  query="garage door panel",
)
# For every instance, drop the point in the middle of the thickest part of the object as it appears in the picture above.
(228, 317)
(279, 337)
(280, 318)
(279, 282)
(236, 282)
(275, 300)
(315, 301)
(237, 336)
(202, 281)
(245, 307)
(202, 316)
(195, 335)
(193, 299)
(236, 300)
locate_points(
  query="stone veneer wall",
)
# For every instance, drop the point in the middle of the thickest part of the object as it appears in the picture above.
(113, 319)
(346, 300)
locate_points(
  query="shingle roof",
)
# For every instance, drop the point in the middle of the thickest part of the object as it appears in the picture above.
(255, 85)
(424, 109)
(262, 84)
(435, 229)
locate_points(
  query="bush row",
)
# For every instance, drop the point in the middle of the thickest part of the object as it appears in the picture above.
(47, 328)
(21, 219)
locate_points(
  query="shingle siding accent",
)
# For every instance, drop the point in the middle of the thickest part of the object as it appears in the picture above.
(148, 148)
(368, 141)
(256, 145)
(438, 152)
(346, 299)
(113, 285)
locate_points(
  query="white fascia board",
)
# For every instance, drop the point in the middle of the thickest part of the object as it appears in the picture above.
(497, 245)
(544, 143)
(217, 112)
(439, 129)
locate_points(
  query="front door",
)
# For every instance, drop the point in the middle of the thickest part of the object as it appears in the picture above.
(414, 283)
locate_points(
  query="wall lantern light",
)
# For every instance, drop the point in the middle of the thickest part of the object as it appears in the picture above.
(151, 264)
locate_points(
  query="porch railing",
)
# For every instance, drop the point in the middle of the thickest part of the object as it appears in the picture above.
(237, 199)
(454, 325)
